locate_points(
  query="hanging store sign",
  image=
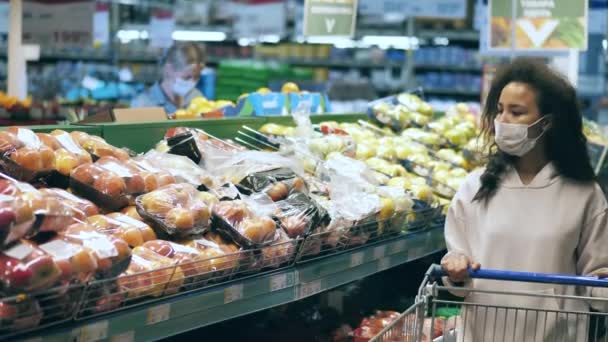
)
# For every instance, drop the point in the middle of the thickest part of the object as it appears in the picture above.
(330, 17)
(538, 24)
(445, 9)
(260, 19)
(59, 23)
(161, 27)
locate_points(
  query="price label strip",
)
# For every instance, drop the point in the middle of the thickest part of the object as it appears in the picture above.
(128, 336)
(310, 289)
(356, 259)
(92, 332)
(397, 247)
(281, 281)
(233, 293)
(158, 314)
(379, 252)
(384, 264)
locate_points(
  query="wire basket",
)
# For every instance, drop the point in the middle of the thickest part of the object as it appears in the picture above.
(24, 313)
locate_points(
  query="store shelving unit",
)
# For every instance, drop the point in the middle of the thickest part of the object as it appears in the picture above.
(184, 312)
(451, 92)
(448, 68)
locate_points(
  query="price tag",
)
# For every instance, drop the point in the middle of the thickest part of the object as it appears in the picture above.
(278, 282)
(384, 264)
(34, 339)
(310, 289)
(94, 332)
(128, 336)
(398, 247)
(379, 252)
(233, 293)
(356, 259)
(158, 314)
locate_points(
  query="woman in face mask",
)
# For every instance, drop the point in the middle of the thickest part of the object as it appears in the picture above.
(181, 69)
(535, 207)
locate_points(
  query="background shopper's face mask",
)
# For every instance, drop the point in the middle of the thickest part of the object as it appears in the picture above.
(513, 139)
(182, 87)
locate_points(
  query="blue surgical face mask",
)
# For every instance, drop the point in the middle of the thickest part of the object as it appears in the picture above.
(182, 87)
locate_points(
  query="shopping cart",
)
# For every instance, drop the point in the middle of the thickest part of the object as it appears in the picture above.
(439, 316)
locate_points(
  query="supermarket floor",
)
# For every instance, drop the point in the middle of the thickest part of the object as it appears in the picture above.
(316, 319)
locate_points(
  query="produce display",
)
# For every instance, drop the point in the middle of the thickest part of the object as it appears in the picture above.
(193, 211)
(177, 210)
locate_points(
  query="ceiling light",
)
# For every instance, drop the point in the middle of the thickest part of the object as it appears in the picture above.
(199, 36)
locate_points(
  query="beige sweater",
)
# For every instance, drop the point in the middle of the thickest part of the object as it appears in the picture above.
(552, 225)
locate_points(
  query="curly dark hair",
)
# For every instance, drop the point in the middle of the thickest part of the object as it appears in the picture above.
(566, 145)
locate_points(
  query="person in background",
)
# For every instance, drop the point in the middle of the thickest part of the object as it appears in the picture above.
(535, 207)
(181, 68)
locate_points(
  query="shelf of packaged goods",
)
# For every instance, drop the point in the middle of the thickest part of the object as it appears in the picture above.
(317, 62)
(460, 35)
(447, 68)
(450, 92)
(185, 312)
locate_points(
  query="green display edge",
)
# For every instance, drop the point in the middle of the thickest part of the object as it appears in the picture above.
(202, 308)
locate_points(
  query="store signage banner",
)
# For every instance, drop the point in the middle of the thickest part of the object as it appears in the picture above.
(538, 24)
(330, 17)
(60, 23)
(255, 20)
(446, 9)
(161, 27)
(101, 24)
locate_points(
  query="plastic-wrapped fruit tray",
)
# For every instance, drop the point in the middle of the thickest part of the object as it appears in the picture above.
(62, 304)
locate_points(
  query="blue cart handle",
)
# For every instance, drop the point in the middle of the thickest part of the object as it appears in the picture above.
(527, 277)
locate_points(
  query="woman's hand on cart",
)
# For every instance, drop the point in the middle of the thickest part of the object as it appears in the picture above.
(601, 273)
(458, 265)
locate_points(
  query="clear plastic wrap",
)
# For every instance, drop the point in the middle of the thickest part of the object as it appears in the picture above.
(178, 210)
(395, 207)
(373, 325)
(299, 214)
(329, 145)
(154, 176)
(131, 211)
(124, 227)
(76, 262)
(200, 260)
(25, 211)
(276, 183)
(85, 206)
(245, 259)
(194, 144)
(150, 274)
(23, 156)
(221, 258)
(68, 155)
(26, 268)
(239, 220)
(183, 169)
(235, 167)
(102, 296)
(280, 252)
(19, 314)
(108, 182)
(112, 254)
(97, 147)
